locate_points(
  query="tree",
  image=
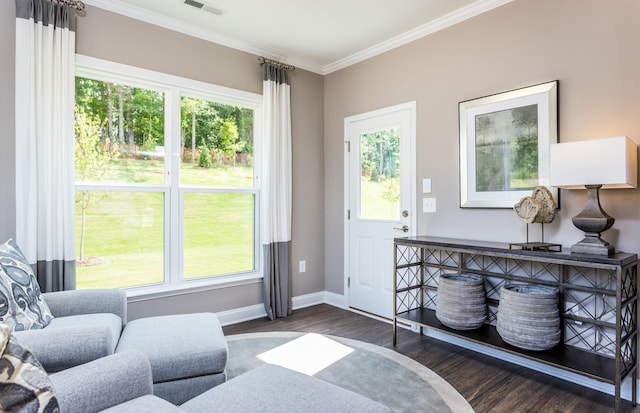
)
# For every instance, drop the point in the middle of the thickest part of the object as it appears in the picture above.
(90, 159)
(191, 107)
(380, 152)
(204, 160)
(120, 118)
(229, 139)
(129, 121)
(140, 113)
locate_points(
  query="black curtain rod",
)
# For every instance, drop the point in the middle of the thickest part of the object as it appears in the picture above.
(280, 65)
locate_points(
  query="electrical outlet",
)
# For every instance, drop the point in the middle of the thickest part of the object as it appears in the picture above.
(302, 266)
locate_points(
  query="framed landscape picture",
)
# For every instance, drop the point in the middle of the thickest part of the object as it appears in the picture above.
(504, 145)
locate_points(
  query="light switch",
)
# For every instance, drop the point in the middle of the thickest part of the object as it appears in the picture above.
(428, 205)
(302, 266)
(426, 186)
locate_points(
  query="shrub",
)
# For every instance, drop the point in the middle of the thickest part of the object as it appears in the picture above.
(204, 160)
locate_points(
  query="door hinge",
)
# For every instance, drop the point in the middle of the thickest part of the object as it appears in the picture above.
(348, 214)
(348, 145)
(348, 282)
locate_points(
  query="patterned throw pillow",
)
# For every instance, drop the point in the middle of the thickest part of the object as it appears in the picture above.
(24, 385)
(21, 306)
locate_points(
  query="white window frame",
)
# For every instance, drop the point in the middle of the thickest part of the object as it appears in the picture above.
(173, 88)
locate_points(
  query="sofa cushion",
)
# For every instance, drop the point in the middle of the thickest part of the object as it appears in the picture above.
(24, 385)
(271, 388)
(178, 346)
(73, 340)
(21, 306)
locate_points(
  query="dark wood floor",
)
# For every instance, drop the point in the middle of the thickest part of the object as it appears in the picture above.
(488, 384)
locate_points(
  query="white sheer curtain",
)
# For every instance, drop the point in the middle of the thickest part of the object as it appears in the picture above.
(276, 196)
(45, 203)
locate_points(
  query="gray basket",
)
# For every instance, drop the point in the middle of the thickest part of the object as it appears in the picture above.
(528, 317)
(461, 301)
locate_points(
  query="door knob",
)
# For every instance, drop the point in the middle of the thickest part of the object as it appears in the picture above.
(405, 228)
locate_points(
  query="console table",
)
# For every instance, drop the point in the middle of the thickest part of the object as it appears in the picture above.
(598, 300)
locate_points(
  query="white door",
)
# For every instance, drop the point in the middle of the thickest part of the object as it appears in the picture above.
(380, 202)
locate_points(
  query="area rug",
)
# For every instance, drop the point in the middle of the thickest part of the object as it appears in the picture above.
(375, 372)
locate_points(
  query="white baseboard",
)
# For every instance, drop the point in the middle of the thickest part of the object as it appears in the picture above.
(336, 300)
(308, 300)
(238, 315)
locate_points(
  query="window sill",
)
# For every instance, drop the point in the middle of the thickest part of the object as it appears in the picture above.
(152, 292)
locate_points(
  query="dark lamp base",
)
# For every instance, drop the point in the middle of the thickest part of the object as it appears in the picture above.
(593, 220)
(593, 246)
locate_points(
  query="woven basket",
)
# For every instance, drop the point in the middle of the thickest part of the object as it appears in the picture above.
(461, 301)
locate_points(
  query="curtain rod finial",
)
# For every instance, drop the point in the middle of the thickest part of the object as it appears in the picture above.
(279, 65)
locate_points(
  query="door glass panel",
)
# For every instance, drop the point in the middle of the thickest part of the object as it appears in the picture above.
(380, 175)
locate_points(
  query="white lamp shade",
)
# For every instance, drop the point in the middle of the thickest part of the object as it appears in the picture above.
(611, 162)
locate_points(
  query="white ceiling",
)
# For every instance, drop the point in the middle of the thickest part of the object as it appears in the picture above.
(317, 35)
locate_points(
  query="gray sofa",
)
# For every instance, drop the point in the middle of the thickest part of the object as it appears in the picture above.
(187, 352)
(87, 325)
(122, 383)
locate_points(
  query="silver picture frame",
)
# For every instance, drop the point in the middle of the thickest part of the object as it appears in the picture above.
(504, 145)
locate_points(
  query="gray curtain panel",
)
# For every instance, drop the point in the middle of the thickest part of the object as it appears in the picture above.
(277, 280)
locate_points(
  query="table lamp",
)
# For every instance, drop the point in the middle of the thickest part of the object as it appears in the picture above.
(594, 164)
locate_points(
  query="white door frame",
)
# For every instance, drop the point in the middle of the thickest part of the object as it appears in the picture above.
(412, 160)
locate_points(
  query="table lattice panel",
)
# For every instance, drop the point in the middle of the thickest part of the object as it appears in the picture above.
(430, 297)
(597, 307)
(590, 337)
(596, 278)
(442, 258)
(408, 300)
(406, 254)
(525, 269)
(407, 276)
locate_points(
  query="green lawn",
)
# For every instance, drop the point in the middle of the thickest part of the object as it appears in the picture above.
(124, 232)
(373, 202)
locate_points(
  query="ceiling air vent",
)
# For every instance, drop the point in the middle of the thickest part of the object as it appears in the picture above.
(203, 6)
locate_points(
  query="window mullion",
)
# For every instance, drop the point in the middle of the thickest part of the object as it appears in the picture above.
(174, 235)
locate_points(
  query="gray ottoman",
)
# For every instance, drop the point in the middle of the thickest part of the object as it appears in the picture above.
(187, 352)
(271, 388)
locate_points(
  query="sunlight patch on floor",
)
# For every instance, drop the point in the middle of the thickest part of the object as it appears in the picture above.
(308, 354)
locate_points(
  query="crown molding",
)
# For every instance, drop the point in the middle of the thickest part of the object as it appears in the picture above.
(458, 16)
(138, 13)
(167, 22)
(174, 24)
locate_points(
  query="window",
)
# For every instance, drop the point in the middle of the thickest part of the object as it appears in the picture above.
(166, 194)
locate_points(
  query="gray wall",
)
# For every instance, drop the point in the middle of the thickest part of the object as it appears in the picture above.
(120, 39)
(590, 46)
(7, 120)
